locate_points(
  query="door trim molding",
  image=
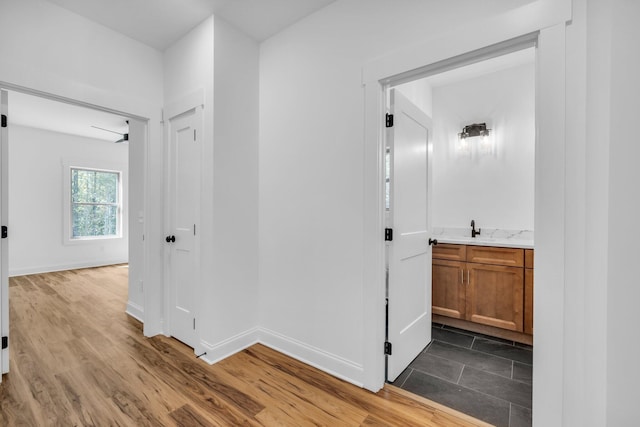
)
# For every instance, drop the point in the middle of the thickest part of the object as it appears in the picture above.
(550, 19)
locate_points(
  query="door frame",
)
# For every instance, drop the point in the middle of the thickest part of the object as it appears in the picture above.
(547, 20)
(132, 214)
(194, 101)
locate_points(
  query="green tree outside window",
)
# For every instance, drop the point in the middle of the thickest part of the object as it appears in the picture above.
(95, 203)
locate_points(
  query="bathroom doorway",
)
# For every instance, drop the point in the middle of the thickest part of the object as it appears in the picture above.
(474, 366)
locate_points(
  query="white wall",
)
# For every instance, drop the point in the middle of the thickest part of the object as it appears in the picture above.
(233, 292)
(623, 293)
(311, 169)
(216, 53)
(496, 189)
(420, 93)
(36, 208)
(50, 49)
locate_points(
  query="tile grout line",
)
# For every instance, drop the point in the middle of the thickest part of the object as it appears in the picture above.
(460, 376)
(510, 406)
(408, 375)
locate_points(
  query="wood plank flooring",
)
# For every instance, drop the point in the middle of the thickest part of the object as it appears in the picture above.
(78, 360)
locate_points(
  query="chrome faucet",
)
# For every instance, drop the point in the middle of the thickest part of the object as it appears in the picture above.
(474, 232)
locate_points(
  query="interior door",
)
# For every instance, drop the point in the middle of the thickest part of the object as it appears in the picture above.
(184, 205)
(4, 254)
(409, 252)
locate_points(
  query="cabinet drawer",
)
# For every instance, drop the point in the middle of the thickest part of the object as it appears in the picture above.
(449, 252)
(528, 258)
(498, 256)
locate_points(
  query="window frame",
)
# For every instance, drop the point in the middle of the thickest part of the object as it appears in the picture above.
(67, 169)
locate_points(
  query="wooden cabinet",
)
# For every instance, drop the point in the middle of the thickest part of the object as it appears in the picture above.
(483, 285)
(448, 290)
(495, 296)
(528, 291)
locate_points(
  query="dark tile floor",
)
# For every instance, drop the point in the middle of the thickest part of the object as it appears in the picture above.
(485, 377)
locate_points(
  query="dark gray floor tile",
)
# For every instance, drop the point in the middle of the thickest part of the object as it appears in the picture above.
(436, 325)
(523, 372)
(478, 405)
(442, 368)
(475, 359)
(496, 386)
(503, 350)
(476, 334)
(402, 378)
(452, 337)
(520, 417)
(525, 346)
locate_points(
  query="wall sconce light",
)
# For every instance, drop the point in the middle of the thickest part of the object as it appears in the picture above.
(476, 129)
(484, 146)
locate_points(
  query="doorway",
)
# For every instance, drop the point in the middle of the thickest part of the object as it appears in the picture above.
(464, 188)
(117, 230)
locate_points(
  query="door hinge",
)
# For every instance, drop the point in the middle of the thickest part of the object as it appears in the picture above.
(5, 342)
(5, 232)
(194, 323)
(194, 229)
(389, 120)
(388, 234)
(194, 134)
(4, 121)
(387, 348)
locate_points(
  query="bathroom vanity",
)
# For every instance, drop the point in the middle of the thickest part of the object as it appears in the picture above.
(484, 288)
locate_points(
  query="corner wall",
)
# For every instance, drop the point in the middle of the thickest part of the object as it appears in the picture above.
(217, 54)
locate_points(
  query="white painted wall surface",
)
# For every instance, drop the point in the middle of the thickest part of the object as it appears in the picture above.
(420, 93)
(623, 293)
(36, 208)
(495, 189)
(217, 53)
(231, 273)
(311, 168)
(52, 50)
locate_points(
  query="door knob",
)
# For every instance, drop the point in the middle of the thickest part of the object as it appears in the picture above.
(433, 242)
(170, 239)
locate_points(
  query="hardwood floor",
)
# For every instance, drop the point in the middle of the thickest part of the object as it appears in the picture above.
(78, 360)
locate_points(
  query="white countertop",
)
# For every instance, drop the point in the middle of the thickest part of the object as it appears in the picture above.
(488, 237)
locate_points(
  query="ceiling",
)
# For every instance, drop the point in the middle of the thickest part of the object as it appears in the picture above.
(41, 113)
(159, 23)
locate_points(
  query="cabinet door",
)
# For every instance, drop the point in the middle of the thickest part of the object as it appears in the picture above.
(495, 296)
(448, 289)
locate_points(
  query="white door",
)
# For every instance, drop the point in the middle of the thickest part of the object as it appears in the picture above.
(184, 204)
(4, 254)
(409, 285)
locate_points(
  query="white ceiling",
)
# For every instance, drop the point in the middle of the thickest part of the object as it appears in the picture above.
(158, 23)
(41, 113)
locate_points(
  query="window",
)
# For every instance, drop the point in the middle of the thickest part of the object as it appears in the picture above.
(95, 203)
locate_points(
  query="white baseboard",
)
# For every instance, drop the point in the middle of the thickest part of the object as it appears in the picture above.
(330, 363)
(63, 267)
(135, 311)
(229, 347)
